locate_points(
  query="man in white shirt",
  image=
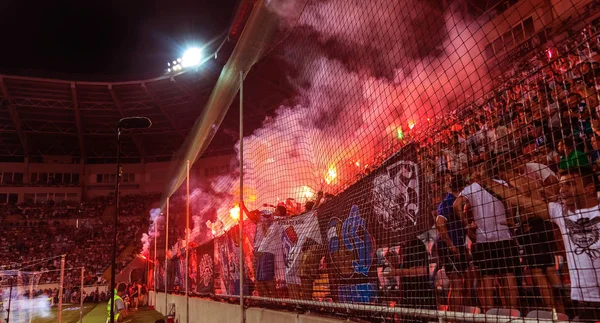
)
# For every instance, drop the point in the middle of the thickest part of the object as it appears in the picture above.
(578, 217)
(540, 172)
(495, 254)
(268, 249)
(544, 176)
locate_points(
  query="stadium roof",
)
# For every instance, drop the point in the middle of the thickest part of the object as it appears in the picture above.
(61, 117)
(50, 117)
(41, 117)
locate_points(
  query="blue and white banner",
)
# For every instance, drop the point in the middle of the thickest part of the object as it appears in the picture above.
(383, 209)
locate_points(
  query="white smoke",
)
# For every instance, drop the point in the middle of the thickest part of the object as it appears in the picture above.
(148, 238)
(22, 307)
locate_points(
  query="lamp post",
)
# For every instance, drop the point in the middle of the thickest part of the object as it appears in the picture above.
(123, 124)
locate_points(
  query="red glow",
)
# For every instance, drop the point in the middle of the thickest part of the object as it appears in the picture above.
(235, 212)
(331, 174)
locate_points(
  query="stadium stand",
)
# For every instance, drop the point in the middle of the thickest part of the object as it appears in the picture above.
(504, 241)
(37, 234)
(486, 207)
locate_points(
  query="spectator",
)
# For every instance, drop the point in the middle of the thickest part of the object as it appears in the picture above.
(577, 216)
(265, 249)
(570, 157)
(451, 242)
(495, 254)
(538, 241)
(413, 269)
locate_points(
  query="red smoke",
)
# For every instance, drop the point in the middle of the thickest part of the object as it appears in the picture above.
(402, 62)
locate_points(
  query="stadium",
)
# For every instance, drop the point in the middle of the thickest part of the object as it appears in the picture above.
(315, 161)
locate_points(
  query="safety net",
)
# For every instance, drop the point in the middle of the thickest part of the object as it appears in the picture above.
(402, 160)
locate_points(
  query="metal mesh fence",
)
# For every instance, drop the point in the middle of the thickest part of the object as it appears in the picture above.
(437, 156)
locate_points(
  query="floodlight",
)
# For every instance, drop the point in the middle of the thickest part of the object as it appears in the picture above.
(192, 57)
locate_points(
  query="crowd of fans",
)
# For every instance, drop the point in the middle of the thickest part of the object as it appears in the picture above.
(513, 182)
(51, 210)
(514, 189)
(33, 243)
(490, 163)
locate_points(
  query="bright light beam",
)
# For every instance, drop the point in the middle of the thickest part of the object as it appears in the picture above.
(192, 57)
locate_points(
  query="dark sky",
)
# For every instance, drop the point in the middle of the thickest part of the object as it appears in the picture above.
(126, 38)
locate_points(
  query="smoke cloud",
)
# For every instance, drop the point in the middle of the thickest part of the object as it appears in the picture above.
(374, 67)
(364, 71)
(147, 238)
(21, 307)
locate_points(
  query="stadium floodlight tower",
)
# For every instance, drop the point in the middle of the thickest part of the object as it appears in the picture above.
(191, 58)
(127, 123)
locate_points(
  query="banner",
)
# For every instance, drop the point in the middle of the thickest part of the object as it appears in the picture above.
(173, 274)
(226, 255)
(383, 209)
(225, 264)
(204, 279)
(298, 234)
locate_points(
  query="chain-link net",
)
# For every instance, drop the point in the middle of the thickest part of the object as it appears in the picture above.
(426, 157)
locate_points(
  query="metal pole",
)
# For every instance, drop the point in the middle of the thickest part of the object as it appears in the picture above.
(187, 246)
(241, 219)
(81, 297)
(167, 259)
(154, 275)
(30, 312)
(116, 223)
(10, 296)
(60, 287)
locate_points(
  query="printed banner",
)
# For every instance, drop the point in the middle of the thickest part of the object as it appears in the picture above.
(225, 266)
(173, 274)
(300, 235)
(226, 255)
(204, 279)
(288, 239)
(383, 209)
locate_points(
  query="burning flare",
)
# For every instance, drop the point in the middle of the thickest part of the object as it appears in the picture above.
(331, 175)
(308, 192)
(234, 213)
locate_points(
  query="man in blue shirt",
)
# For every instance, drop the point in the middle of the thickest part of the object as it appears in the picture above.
(452, 252)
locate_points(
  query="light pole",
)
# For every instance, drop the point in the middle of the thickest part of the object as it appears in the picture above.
(123, 124)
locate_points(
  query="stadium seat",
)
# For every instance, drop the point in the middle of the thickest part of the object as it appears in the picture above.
(504, 312)
(547, 315)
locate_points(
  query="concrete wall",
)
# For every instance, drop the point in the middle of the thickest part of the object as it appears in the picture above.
(21, 191)
(215, 312)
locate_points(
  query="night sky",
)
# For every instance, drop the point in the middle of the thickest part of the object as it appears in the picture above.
(124, 39)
